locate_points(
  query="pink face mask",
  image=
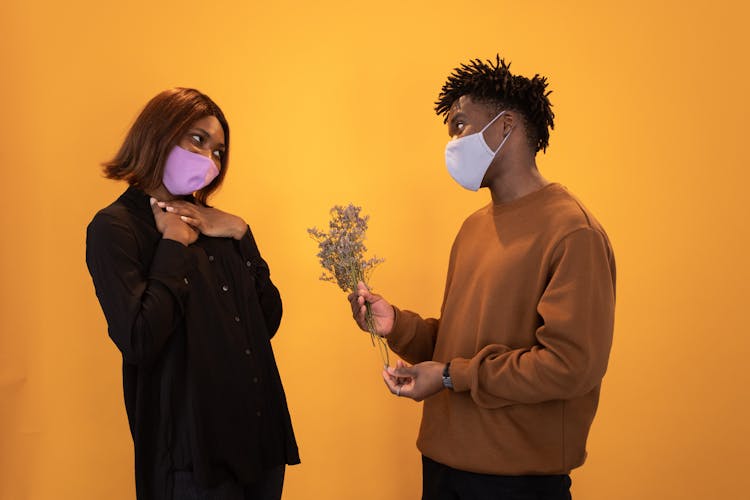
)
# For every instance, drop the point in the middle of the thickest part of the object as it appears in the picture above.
(186, 172)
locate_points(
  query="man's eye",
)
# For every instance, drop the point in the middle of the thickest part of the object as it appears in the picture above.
(460, 125)
(218, 154)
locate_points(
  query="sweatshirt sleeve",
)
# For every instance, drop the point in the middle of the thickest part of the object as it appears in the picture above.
(142, 304)
(573, 343)
(413, 338)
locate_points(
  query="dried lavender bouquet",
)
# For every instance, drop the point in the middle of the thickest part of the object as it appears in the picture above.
(342, 255)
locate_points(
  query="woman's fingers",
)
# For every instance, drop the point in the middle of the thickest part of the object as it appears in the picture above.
(183, 210)
(180, 207)
(155, 207)
(209, 221)
(160, 217)
(195, 223)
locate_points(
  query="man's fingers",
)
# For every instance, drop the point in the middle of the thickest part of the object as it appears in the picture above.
(356, 306)
(402, 371)
(358, 309)
(399, 387)
(364, 292)
(390, 382)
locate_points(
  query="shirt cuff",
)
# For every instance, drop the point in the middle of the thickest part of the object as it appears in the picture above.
(403, 329)
(460, 374)
(170, 267)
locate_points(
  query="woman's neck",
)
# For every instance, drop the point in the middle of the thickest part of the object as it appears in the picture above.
(161, 194)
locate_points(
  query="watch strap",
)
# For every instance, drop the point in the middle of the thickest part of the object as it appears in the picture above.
(447, 382)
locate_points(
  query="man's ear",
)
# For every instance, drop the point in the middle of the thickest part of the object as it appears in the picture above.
(510, 121)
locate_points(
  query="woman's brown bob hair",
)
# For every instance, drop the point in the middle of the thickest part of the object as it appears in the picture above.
(160, 126)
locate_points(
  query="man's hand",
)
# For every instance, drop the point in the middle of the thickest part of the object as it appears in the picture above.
(209, 221)
(417, 382)
(382, 312)
(171, 226)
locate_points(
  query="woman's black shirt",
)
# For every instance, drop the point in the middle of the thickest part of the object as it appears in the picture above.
(193, 324)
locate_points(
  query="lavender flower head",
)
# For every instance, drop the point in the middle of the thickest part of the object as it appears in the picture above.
(342, 255)
(342, 249)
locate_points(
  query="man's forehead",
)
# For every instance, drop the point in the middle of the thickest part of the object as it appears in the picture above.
(464, 103)
(457, 106)
(459, 103)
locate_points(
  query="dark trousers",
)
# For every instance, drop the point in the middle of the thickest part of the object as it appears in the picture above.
(267, 488)
(440, 482)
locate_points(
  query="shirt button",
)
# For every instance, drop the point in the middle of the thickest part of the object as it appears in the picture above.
(237, 319)
(210, 258)
(255, 380)
(248, 263)
(248, 352)
(257, 413)
(186, 281)
(225, 288)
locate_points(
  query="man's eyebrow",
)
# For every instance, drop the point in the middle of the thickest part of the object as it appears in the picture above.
(456, 115)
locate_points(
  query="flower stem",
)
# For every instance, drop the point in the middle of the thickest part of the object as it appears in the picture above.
(382, 346)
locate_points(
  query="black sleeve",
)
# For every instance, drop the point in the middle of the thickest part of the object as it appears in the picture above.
(143, 303)
(268, 294)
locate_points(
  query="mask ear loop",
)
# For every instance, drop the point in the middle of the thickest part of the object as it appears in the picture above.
(504, 138)
(492, 121)
(503, 142)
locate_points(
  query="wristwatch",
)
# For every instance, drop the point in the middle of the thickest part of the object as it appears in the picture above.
(447, 382)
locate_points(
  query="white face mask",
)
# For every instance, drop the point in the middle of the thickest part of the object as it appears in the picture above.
(468, 158)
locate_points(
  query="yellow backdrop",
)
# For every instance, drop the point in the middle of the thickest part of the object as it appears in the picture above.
(331, 102)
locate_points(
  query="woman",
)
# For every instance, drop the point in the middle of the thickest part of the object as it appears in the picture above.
(190, 304)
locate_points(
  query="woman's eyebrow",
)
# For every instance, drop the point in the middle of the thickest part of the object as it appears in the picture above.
(206, 135)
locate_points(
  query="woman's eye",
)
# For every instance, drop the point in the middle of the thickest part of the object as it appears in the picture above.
(218, 154)
(460, 125)
(197, 138)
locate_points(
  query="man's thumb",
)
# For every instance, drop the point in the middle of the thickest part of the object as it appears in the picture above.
(400, 371)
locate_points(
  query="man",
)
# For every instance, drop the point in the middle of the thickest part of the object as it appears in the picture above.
(510, 373)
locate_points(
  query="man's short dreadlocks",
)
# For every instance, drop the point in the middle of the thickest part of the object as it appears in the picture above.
(492, 82)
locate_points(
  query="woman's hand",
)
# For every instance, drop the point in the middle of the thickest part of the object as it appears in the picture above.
(171, 226)
(209, 221)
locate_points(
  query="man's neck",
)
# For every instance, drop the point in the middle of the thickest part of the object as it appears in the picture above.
(516, 182)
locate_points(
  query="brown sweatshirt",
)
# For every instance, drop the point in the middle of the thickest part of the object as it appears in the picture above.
(526, 322)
